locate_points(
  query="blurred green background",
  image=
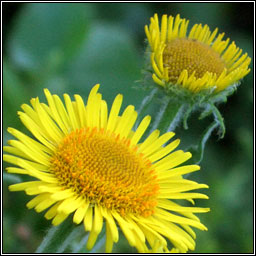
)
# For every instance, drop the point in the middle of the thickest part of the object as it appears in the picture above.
(70, 47)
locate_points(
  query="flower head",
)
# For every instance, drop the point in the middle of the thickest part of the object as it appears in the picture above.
(196, 61)
(89, 162)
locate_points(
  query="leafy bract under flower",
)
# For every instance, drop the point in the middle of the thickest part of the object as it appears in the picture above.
(87, 161)
(196, 61)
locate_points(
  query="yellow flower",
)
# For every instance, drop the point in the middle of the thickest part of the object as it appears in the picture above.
(91, 163)
(197, 61)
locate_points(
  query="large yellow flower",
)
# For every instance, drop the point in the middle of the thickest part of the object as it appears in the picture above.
(197, 61)
(91, 163)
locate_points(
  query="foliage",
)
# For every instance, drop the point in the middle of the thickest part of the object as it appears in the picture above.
(70, 47)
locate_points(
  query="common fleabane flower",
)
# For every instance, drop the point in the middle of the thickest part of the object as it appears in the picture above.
(196, 60)
(89, 162)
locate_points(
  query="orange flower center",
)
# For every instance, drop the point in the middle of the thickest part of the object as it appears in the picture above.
(106, 170)
(181, 53)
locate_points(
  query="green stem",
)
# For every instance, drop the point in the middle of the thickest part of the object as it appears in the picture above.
(80, 245)
(144, 105)
(56, 237)
(177, 118)
(47, 239)
(65, 237)
(169, 116)
(160, 115)
(99, 244)
(71, 237)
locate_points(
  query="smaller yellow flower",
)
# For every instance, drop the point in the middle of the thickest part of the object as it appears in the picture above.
(196, 61)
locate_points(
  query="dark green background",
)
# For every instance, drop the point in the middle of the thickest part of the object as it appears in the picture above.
(70, 47)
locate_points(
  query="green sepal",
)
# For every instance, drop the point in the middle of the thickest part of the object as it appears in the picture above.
(197, 151)
(211, 109)
(219, 120)
(206, 112)
(186, 115)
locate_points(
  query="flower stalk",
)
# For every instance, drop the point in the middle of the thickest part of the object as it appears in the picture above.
(67, 237)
